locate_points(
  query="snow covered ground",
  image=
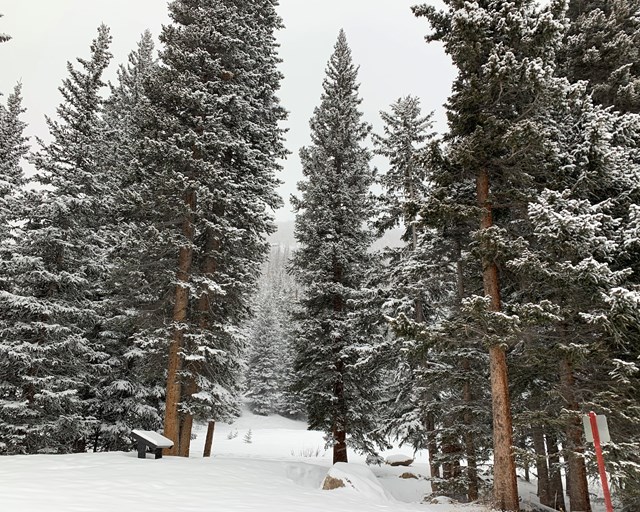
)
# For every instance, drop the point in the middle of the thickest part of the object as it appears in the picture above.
(280, 470)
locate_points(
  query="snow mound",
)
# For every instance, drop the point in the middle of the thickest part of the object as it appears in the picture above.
(306, 475)
(359, 479)
(441, 500)
(399, 460)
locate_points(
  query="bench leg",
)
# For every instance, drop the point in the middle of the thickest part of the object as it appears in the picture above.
(158, 453)
(142, 450)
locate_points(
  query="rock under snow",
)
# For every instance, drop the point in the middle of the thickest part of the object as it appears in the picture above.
(399, 460)
(356, 477)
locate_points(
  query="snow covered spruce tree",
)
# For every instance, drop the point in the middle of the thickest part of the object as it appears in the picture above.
(130, 392)
(266, 372)
(51, 318)
(602, 47)
(572, 258)
(333, 342)
(13, 148)
(503, 53)
(212, 160)
(405, 273)
(270, 375)
(430, 401)
(404, 190)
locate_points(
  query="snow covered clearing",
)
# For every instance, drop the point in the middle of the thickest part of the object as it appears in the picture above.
(280, 470)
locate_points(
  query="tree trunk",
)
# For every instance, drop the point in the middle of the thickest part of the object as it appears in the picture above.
(340, 446)
(522, 444)
(469, 442)
(542, 468)
(467, 395)
(432, 447)
(180, 308)
(208, 268)
(339, 427)
(577, 485)
(505, 488)
(451, 452)
(186, 420)
(556, 489)
(209, 440)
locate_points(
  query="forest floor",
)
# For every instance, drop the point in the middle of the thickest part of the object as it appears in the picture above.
(271, 464)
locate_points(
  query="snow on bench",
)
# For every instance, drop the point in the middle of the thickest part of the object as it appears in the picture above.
(148, 438)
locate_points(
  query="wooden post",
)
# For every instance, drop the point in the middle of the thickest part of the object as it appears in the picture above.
(209, 440)
(142, 449)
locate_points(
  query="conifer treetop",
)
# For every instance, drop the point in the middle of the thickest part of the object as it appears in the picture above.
(4, 37)
(13, 144)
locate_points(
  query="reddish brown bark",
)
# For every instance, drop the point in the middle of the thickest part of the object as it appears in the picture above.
(208, 268)
(577, 485)
(180, 308)
(186, 420)
(505, 488)
(451, 452)
(208, 442)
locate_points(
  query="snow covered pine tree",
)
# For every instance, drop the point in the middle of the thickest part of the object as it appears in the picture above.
(52, 317)
(332, 344)
(212, 161)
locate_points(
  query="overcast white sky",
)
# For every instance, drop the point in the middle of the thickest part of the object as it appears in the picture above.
(386, 40)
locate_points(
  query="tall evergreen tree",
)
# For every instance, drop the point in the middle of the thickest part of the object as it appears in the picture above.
(211, 157)
(13, 148)
(503, 52)
(266, 372)
(270, 338)
(333, 342)
(130, 390)
(52, 316)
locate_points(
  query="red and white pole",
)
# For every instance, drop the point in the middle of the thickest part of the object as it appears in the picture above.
(603, 475)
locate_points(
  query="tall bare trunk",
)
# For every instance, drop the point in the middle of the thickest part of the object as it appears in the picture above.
(208, 268)
(542, 468)
(577, 485)
(209, 439)
(505, 488)
(556, 489)
(180, 308)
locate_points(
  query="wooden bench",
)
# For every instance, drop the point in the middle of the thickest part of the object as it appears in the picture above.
(152, 440)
